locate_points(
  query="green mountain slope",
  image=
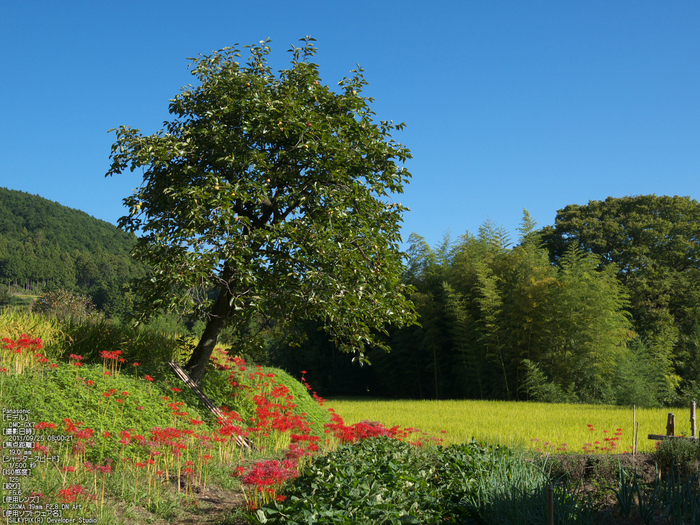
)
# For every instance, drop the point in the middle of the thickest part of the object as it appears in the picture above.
(46, 246)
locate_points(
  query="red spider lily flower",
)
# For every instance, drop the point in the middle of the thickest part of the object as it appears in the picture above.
(68, 469)
(84, 434)
(41, 448)
(76, 357)
(107, 373)
(135, 364)
(66, 495)
(176, 390)
(54, 365)
(148, 378)
(89, 382)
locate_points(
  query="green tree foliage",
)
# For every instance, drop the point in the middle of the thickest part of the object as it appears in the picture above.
(652, 244)
(274, 190)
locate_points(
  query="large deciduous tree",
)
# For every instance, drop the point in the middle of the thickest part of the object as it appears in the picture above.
(653, 241)
(270, 194)
(654, 244)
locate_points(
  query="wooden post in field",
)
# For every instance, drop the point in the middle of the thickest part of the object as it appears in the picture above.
(550, 505)
(634, 424)
(636, 437)
(693, 420)
(671, 425)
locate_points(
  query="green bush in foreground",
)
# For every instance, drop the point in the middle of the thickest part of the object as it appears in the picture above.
(382, 480)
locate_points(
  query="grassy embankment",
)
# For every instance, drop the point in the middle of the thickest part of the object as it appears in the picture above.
(121, 440)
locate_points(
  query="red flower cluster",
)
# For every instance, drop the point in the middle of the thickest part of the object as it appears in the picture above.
(22, 344)
(68, 495)
(297, 448)
(270, 474)
(106, 354)
(364, 430)
(609, 445)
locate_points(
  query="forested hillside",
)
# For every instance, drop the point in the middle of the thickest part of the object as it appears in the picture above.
(46, 246)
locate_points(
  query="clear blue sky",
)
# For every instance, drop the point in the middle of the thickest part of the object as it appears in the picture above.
(508, 104)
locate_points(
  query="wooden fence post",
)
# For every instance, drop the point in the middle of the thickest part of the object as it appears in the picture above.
(634, 424)
(693, 421)
(671, 425)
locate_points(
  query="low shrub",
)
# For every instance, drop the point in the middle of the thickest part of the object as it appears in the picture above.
(678, 454)
(384, 480)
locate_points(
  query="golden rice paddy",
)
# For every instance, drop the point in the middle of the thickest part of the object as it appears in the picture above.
(553, 427)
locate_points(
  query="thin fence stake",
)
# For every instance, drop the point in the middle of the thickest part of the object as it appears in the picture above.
(634, 424)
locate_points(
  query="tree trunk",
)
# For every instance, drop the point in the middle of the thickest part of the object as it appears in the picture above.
(197, 364)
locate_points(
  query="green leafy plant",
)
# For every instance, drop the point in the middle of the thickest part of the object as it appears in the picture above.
(383, 480)
(679, 453)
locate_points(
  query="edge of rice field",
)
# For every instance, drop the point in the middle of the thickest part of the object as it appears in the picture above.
(536, 426)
